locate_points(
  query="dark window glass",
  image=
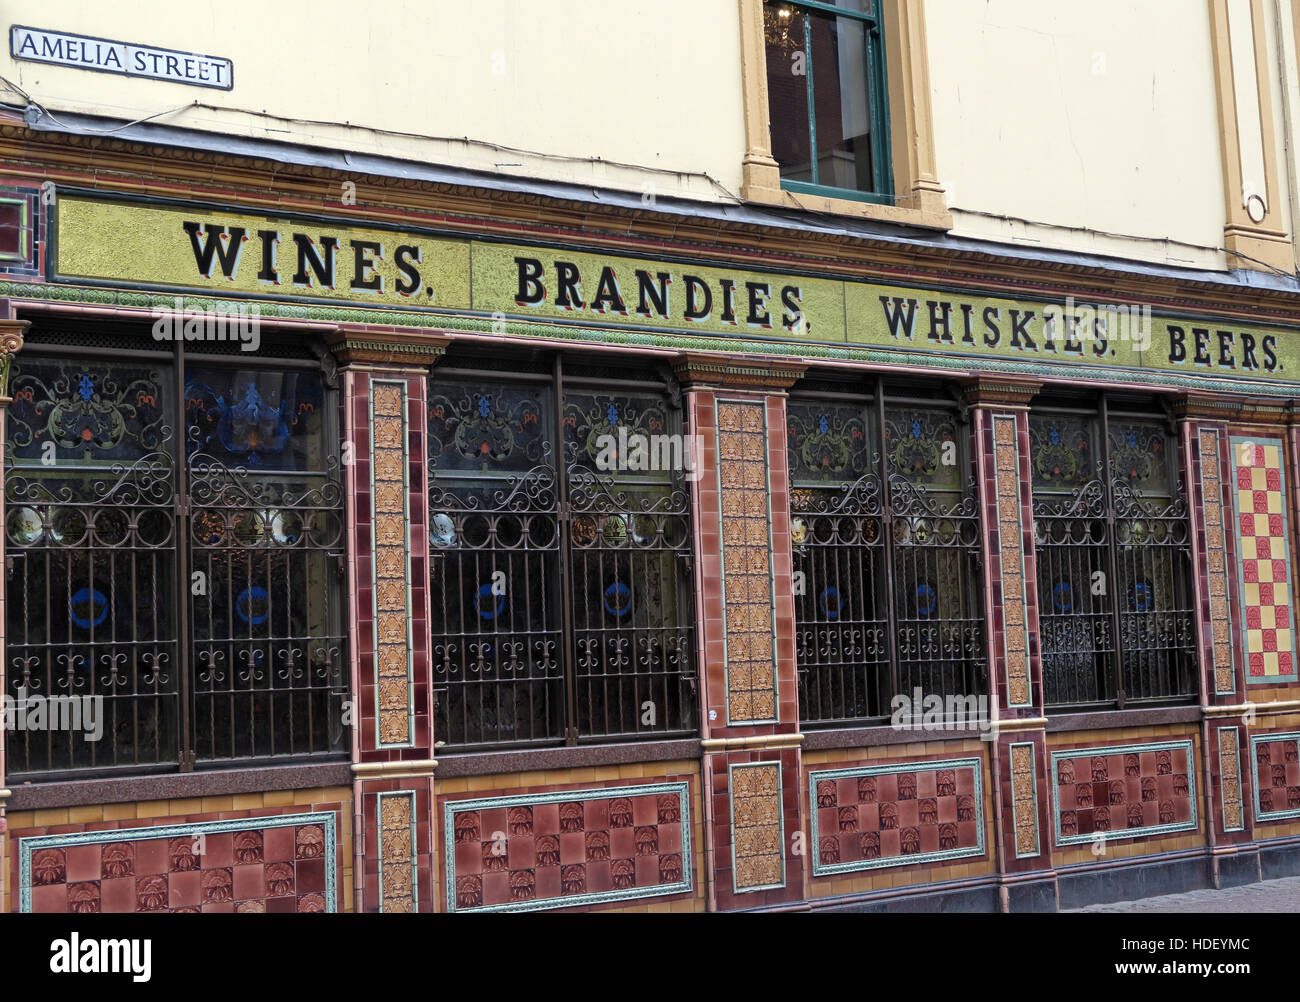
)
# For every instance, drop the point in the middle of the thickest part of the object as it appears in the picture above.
(89, 488)
(265, 536)
(109, 557)
(826, 96)
(560, 579)
(1114, 560)
(885, 595)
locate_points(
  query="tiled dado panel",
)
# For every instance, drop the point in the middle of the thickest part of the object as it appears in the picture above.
(568, 849)
(279, 863)
(1229, 777)
(397, 851)
(390, 547)
(1010, 542)
(1264, 558)
(896, 815)
(1023, 759)
(757, 826)
(1277, 775)
(1215, 528)
(1123, 791)
(749, 613)
(756, 830)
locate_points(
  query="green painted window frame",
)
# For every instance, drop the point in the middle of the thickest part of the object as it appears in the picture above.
(882, 165)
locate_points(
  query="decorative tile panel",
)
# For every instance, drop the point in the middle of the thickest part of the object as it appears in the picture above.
(747, 587)
(282, 863)
(1230, 779)
(757, 827)
(896, 815)
(391, 548)
(1015, 638)
(1123, 791)
(1216, 550)
(1024, 799)
(397, 883)
(567, 849)
(1277, 775)
(1265, 560)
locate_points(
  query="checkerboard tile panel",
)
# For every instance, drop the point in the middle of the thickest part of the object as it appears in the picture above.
(1265, 563)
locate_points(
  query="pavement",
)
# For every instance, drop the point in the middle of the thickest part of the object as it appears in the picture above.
(1266, 896)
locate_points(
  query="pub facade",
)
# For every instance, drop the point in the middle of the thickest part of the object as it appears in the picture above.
(468, 547)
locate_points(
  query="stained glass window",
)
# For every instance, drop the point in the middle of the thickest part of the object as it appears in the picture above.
(173, 558)
(885, 577)
(561, 539)
(1113, 554)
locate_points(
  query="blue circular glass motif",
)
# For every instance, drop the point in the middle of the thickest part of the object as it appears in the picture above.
(488, 603)
(253, 605)
(88, 607)
(1063, 596)
(829, 602)
(927, 599)
(618, 599)
(1142, 596)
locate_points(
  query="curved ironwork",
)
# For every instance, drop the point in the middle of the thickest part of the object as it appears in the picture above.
(266, 634)
(885, 585)
(112, 522)
(1114, 559)
(561, 604)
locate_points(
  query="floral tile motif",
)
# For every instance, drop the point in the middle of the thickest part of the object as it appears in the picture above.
(896, 815)
(389, 511)
(397, 852)
(1230, 779)
(1024, 800)
(1006, 471)
(1277, 775)
(1126, 791)
(1216, 549)
(757, 827)
(284, 863)
(746, 561)
(567, 849)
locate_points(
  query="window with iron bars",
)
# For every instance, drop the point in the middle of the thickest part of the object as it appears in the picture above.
(886, 532)
(174, 531)
(1112, 544)
(560, 576)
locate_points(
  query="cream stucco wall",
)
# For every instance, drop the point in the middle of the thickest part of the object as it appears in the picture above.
(1091, 127)
(566, 91)
(1077, 125)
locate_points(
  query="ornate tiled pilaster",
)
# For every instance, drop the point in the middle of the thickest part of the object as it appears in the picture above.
(1004, 473)
(744, 580)
(384, 382)
(1011, 561)
(11, 342)
(390, 581)
(1212, 519)
(1005, 480)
